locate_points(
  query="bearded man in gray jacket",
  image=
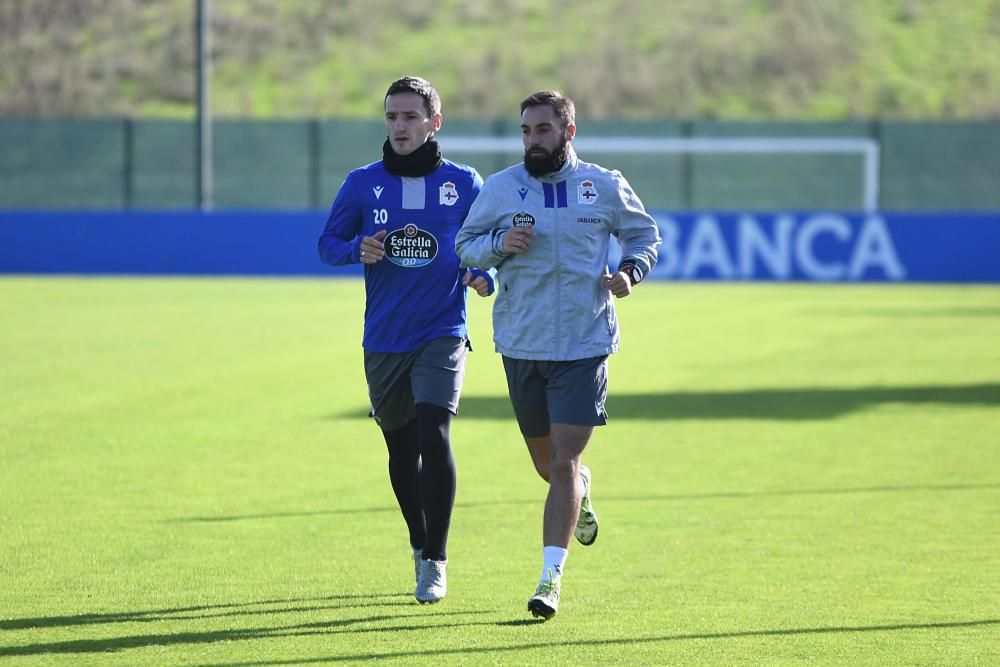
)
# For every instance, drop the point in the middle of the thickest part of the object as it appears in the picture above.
(546, 225)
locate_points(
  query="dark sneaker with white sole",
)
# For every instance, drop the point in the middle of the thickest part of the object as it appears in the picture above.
(545, 602)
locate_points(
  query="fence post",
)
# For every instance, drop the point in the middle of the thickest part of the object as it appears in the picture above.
(876, 133)
(128, 162)
(499, 160)
(687, 169)
(203, 133)
(313, 162)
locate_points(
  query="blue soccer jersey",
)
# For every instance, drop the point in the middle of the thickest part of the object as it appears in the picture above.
(415, 294)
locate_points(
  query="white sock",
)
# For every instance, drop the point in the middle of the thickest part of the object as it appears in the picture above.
(553, 559)
(418, 554)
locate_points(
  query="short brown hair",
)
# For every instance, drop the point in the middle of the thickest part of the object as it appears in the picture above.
(563, 106)
(418, 86)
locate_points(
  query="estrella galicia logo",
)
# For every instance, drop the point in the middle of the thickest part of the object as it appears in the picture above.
(523, 219)
(410, 247)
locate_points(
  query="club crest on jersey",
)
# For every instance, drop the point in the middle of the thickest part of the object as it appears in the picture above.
(410, 247)
(523, 219)
(586, 193)
(447, 194)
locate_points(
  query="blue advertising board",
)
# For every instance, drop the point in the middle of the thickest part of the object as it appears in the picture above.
(800, 246)
(830, 247)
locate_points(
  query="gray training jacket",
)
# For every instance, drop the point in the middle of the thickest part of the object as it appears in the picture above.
(550, 301)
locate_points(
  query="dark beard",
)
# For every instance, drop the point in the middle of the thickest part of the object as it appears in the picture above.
(551, 162)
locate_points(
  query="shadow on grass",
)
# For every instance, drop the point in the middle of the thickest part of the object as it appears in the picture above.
(904, 488)
(345, 626)
(630, 641)
(282, 515)
(770, 404)
(342, 626)
(209, 611)
(932, 488)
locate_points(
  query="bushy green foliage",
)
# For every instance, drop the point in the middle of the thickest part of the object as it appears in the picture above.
(816, 59)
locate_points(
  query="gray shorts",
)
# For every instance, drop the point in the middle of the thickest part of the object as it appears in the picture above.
(561, 392)
(432, 374)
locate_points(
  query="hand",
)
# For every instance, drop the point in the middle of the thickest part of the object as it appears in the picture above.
(619, 284)
(517, 239)
(372, 249)
(479, 283)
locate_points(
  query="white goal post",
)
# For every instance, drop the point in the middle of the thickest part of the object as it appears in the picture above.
(867, 148)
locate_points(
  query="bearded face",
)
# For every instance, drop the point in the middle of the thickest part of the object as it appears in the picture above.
(539, 161)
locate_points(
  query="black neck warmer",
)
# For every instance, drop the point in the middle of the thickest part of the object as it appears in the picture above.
(420, 162)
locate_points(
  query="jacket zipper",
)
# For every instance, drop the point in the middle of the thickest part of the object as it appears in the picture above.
(556, 231)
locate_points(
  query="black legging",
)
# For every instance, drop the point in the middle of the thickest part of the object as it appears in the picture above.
(422, 474)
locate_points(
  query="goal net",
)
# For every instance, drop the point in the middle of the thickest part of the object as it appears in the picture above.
(748, 173)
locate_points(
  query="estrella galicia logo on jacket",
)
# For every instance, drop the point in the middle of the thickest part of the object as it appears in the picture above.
(586, 193)
(410, 247)
(523, 219)
(447, 194)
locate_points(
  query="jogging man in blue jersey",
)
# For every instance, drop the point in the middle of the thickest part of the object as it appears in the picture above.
(399, 217)
(546, 225)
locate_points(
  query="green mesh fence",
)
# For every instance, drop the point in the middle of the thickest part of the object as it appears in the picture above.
(163, 164)
(62, 164)
(343, 146)
(660, 180)
(114, 163)
(940, 166)
(485, 163)
(262, 164)
(777, 180)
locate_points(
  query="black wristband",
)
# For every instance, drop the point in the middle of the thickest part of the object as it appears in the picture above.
(631, 269)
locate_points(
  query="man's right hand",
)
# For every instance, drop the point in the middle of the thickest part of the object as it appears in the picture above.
(517, 239)
(372, 249)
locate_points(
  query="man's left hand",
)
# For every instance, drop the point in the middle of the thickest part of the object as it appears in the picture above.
(480, 283)
(619, 284)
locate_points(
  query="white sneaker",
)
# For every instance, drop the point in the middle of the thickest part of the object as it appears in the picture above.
(586, 524)
(432, 584)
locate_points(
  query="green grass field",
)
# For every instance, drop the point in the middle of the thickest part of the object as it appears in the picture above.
(792, 474)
